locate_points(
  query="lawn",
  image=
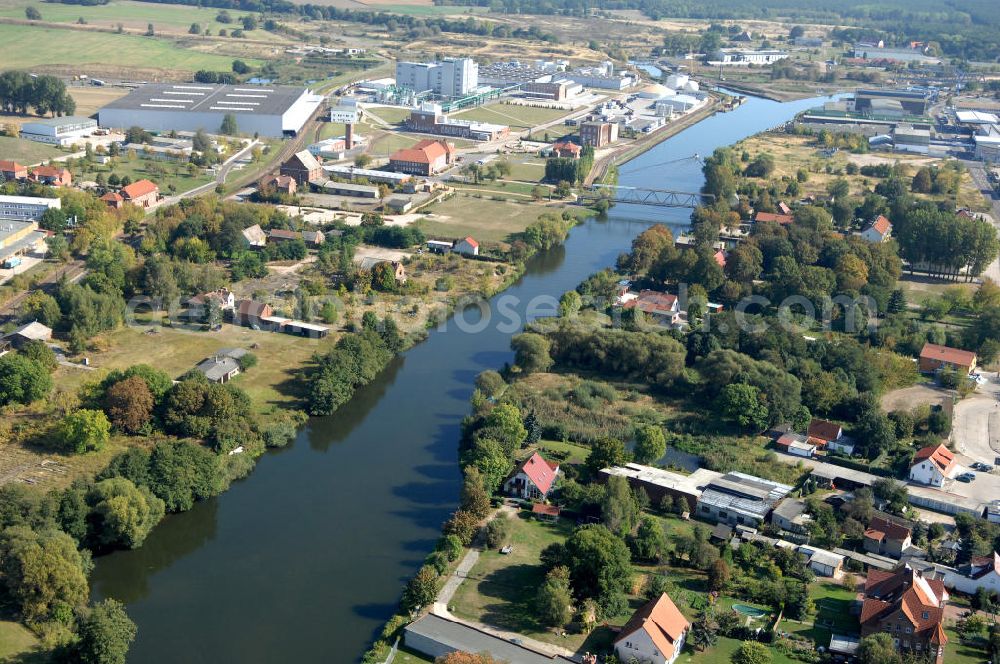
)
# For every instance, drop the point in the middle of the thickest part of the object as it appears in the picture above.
(482, 218)
(517, 117)
(957, 652)
(175, 174)
(17, 644)
(576, 453)
(410, 657)
(26, 152)
(722, 653)
(62, 47)
(175, 351)
(390, 114)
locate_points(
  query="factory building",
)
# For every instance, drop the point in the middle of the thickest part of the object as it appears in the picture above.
(429, 119)
(274, 110)
(451, 77)
(58, 131)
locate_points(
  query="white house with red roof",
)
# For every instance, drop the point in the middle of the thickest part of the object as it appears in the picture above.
(933, 465)
(878, 230)
(466, 246)
(533, 479)
(655, 633)
(981, 572)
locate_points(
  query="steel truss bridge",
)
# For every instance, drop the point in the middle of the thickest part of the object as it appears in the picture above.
(639, 196)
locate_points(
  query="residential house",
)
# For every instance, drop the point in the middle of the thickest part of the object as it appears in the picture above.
(282, 235)
(878, 230)
(908, 607)
(545, 512)
(113, 200)
(981, 572)
(255, 236)
(222, 298)
(398, 204)
(425, 158)
(720, 257)
(313, 238)
(283, 184)
(303, 168)
(369, 263)
(566, 150)
(932, 465)
(51, 175)
(11, 171)
(740, 499)
(251, 312)
(796, 444)
(934, 358)
(783, 219)
(655, 633)
(662, 307)
(533, 479)
(887, 536)
(822, 562)
(141, 193)
(830, 435)
(33, 331)
(466, 246)
(223, 366)
(790, 515)
(784, 209)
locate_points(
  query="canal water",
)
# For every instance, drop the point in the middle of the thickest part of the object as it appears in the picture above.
(304, 560)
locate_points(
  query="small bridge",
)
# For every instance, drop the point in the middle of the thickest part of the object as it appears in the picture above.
(640, 196)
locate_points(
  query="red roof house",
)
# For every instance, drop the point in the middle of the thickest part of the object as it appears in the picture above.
(909, 608)
(141, 193)
(566, 150)
(655, 633)
(113, 200)
(886, 536)
(878, 230)
(533, 479)
(52, 175)
(11, 170)
(934, 357)
(932, 465)
(467, 246)
(425, 158)
(783, 219)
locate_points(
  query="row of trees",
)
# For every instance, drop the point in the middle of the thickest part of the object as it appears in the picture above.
(46, 94)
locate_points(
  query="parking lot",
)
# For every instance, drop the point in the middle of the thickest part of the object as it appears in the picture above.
(976, 424)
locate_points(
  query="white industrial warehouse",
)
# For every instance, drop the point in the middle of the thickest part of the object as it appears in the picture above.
(275, 110)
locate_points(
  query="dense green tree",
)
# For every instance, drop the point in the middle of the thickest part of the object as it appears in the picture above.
(421, 590)
(619, 510)
(752, 652)
(84, 430)
(129, 404)
(475, 494)
(22, 380)
(742, 404)
(650, 444)
(704, 630)
(43, 571)
(492, 461)
(531, 352)
(600, 567)
(650, 541)
(605, 453)
(122, 513)
(554, 601)
(498, 530)
(105, 634)
(878, 649)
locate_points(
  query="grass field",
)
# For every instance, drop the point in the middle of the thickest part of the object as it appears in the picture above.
(722, 653)
(26, 152)
(389, 114)
(483, 218)
(17, 644)
(61, 47)
(410, 657)
(131, 14)
(958, 652)
(176, 351)
(137, 169)
(428, 10)
(517, 117)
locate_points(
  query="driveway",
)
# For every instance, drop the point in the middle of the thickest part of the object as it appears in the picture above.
(976, 424)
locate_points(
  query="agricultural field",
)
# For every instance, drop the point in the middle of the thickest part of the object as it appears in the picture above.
(517, 117)
(132, 15)
(81, 48)
(24, 151)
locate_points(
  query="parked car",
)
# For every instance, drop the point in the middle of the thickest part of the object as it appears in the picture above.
(966, 477)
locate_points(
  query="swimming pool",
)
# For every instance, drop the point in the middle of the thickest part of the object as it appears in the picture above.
(751, 611)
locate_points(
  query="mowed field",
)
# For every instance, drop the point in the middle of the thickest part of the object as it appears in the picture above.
(29, 46)
(26, 152)
(517, 117)
(482, 218)
(134, 15)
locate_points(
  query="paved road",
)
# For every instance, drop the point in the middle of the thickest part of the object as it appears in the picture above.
(976, 424)
(978, 173)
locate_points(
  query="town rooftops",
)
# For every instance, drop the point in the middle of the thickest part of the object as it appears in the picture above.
(883, 527)
(48, 171)
(112, 197)
(940, 456)
(906, 591)
(881, 225)
(139, 188)
(663, 623)
(542, 473)
(7, 166)
(744, 494)
(653, 302)
(306, 160)
(424, 152)
(962, 358)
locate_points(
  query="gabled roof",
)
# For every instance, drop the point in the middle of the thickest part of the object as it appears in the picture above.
(112, 197)
(254, 234)
(653, 302)
(886, 527)
(880, 225)
(33, 330)
(777, 218)
(986, 565)
(251, 308)
(425, 152)
(306, 160)
(48, 171)
(825, 430)
(940, 456)
(139, 188)
(542, 473)
(906, 591)
(962, 358)
(662, 621)
(470, 241)
(283, 234)
(7, 165)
